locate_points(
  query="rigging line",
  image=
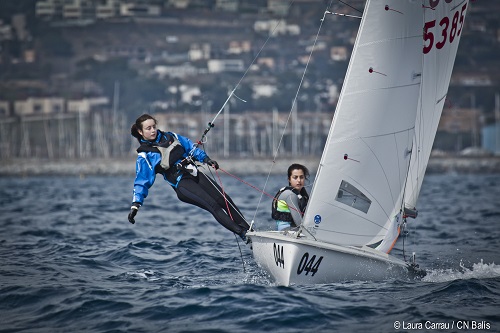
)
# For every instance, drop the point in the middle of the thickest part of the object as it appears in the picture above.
(302, 228)
(218, 188)
(346, 15)
(348, 5)
(241, 253)
(397, 159)
(408, 171)
(418, 136)
(211, 124)
(256, 188)
(460, 4)
(403, 204)
(224, 195)
(294, 102)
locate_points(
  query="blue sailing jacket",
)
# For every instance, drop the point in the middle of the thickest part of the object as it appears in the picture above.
(147, 162)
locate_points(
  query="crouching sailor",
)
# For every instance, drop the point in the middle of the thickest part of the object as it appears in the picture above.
(290, 202)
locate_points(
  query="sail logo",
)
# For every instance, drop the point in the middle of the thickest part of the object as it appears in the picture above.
(317, 219)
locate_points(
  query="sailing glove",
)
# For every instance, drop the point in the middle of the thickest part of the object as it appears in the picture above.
(211, 162)
(133, 211)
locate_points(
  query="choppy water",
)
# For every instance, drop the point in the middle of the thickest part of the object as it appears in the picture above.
(71, 262)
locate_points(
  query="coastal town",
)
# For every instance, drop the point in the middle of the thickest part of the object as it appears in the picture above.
(75, 73)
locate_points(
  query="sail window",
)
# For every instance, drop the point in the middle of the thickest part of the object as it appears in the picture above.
(351, 196)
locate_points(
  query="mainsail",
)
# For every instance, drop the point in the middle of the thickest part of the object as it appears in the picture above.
(359, 187)
(377, 148)
(444, 22)
(385, 122)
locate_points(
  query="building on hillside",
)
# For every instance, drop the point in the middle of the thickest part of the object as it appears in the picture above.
(339, 53)
(138, 9)
(4, 109)
(278, 7)
(490, 138)
(455, 120)
(39, 106)
(226, 65)
(227, 5)
(85, 105)
(176, 71)
(199, 52)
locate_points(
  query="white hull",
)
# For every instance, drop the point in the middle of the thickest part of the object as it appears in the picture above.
(291, 260)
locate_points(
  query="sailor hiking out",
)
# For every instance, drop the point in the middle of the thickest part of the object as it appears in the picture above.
(173, 156)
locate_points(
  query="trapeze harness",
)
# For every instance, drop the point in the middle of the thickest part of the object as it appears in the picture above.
(172, 162)
(280, 210)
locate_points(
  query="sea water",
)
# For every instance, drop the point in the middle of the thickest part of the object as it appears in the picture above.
(71, 262)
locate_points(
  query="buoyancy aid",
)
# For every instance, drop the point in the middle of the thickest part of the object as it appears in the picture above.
(283, 213)
(168, 146)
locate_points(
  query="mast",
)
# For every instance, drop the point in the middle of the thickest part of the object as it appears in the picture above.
(497, 124)
(295, 129)
(226, 130)
(117, 143)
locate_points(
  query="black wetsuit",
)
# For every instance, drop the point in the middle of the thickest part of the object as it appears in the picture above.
(197, 190)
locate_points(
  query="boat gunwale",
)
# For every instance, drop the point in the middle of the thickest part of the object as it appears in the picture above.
(352, 250)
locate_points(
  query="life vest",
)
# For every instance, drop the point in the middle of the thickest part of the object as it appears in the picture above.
(168, 146)
(277, 212)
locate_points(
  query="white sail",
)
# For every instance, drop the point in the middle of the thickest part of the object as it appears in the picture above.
(358, 190)
(442, 18)
(373, 157)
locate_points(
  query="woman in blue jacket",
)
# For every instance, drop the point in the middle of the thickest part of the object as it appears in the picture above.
(173, 156)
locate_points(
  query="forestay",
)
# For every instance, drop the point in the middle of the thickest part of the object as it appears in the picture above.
(358, 190)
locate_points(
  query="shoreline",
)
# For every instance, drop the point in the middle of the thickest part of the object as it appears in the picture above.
(238, 166)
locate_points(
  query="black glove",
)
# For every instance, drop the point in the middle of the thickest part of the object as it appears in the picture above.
(211, 162)
(133, 211)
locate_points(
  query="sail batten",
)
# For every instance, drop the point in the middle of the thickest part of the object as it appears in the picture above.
(382, 88)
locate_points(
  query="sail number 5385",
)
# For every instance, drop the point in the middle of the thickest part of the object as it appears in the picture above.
(448, 33)
(309, 265)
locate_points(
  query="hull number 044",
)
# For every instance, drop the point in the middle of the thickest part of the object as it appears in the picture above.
(309, 265)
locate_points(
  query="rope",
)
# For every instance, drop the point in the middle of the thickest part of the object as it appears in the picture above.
(241, 253)
(348, 5)
(224, 195)
(212, 180)
(246, 183)
(231, 216)
(211, 124)
(255, 188)
(292, 107)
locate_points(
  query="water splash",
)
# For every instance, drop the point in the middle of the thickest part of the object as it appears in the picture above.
(149, 275)
(479, 270)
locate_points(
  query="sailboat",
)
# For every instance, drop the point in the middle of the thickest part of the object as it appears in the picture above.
(374, 160)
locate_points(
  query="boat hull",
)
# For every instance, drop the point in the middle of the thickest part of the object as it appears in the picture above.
(292, 260)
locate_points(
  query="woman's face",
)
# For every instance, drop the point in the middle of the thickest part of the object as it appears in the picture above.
(148, 130)
(297, 179)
